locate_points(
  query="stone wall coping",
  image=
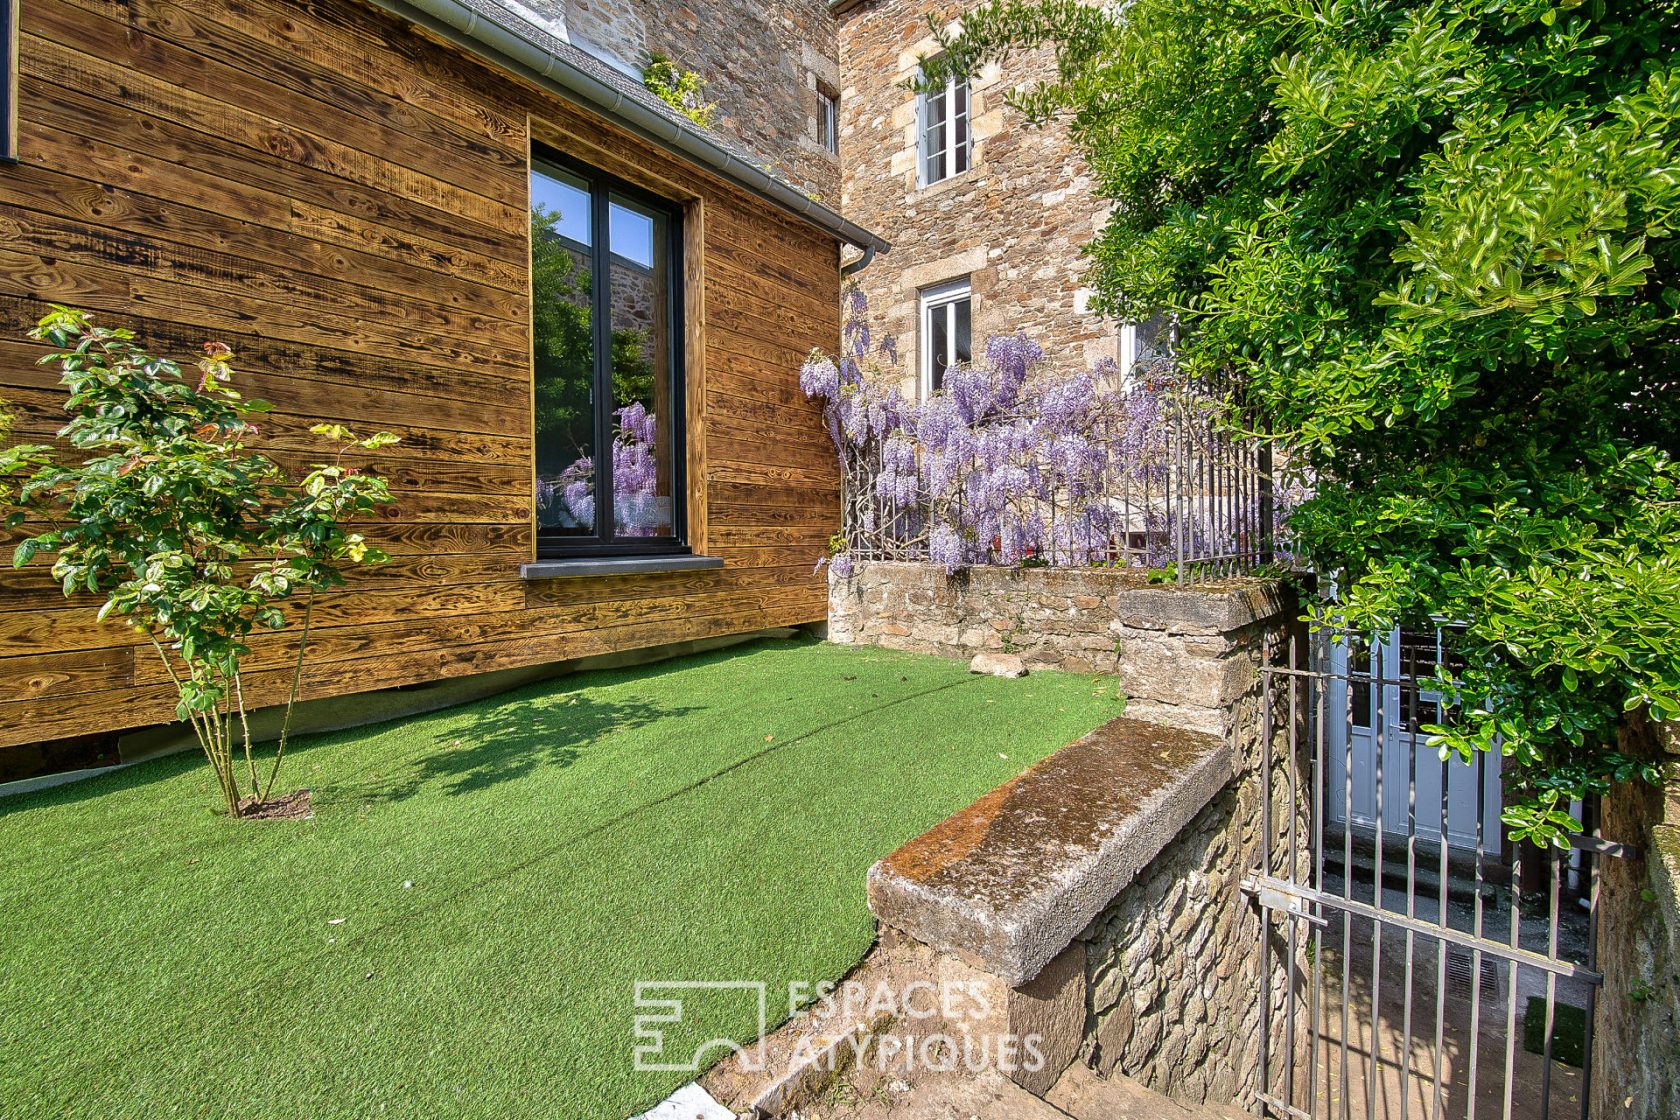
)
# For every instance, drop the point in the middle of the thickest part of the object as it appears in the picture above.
(1009, 882)
(1210, 607)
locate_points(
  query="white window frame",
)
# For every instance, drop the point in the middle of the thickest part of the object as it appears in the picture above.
(942, 300)
(1129, 349)
(828, 120)
(949, 149)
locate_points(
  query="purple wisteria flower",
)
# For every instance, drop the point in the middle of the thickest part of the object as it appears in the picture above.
(1013, 459)
(945, 548)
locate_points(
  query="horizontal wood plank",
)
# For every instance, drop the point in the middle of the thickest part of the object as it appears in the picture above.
(343, 200)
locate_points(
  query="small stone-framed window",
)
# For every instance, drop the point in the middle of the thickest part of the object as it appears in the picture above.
(828, 118)
(944, 140)
(1144, 341)
(947, 330)
(8, 81)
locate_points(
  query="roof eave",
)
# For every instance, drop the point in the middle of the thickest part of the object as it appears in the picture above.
(507, 49)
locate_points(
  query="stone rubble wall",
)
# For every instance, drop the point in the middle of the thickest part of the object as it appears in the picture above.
(1174, 969)
(1171, 969)
(1636, 1028)
(764, 65)
(1184, 656)
(1013, 225)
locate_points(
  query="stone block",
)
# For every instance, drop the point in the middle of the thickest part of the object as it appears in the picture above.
(1008, 882)
(1114, 1032)
(1209, 721)
(1051, 1007)
(997, 665)
(1146, 1035)
(1198, 610)
(1030, 1032)
(1161, 669)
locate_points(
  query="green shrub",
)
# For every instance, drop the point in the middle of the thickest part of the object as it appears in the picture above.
(1437, 243)
(193, 539)
(678, 88)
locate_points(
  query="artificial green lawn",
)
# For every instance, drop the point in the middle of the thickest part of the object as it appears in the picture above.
(702, 819)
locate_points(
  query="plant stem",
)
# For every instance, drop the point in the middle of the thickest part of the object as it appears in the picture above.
(200, 725)
(245, 725)
(291, 697)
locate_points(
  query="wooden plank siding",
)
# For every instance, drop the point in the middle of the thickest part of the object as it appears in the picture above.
(343, 200)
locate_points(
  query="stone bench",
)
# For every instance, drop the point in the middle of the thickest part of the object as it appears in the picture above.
(1010, 881)
(1003, 890)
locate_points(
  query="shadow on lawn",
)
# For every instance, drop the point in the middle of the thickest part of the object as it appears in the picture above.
(506, 738)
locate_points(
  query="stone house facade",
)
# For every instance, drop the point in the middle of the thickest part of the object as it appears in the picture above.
(1004, 232)
(1010, 225)
(767, 66)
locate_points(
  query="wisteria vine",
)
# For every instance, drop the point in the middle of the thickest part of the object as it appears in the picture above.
(1016, 461)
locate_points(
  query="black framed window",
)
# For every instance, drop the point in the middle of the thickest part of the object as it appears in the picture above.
(606, 317)
(8, 81)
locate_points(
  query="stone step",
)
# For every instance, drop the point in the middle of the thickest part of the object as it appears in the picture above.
(1084, 1095)
(820, 1046)
(983, 1096)
(1080, 1094)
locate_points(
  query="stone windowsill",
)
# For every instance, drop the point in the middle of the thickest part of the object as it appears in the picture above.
(1009, 882)
(974, 177)
(616, 566)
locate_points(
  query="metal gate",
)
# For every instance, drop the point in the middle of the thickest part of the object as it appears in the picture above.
(1413, 961)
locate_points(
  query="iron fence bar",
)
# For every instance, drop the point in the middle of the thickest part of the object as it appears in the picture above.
(1441, 946)
(1515, 956)
(1511, 978)
(1347, 882)
(1318, 714)
(1292, 853)
(1555, 888)
(1378, 727)
(1597, 845)
(1349, 676)
(1408, 716)
(1480, 788)
(1182, 555)
(1266, 741)
(1592, 992)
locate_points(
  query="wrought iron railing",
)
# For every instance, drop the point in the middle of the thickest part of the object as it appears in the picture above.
(1152, 470)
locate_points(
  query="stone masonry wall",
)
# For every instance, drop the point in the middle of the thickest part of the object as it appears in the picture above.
(764, 64)
(1013, 224)
(1636, 1032)
(1174, 969)
(1171, 967)
(1185, 657)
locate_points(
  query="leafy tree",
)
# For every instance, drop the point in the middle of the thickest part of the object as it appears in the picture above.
(1436, 241)
(192, 538)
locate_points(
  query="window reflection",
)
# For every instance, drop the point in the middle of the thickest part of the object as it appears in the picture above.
(641, 401)
(608, 410)
(562, 335)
